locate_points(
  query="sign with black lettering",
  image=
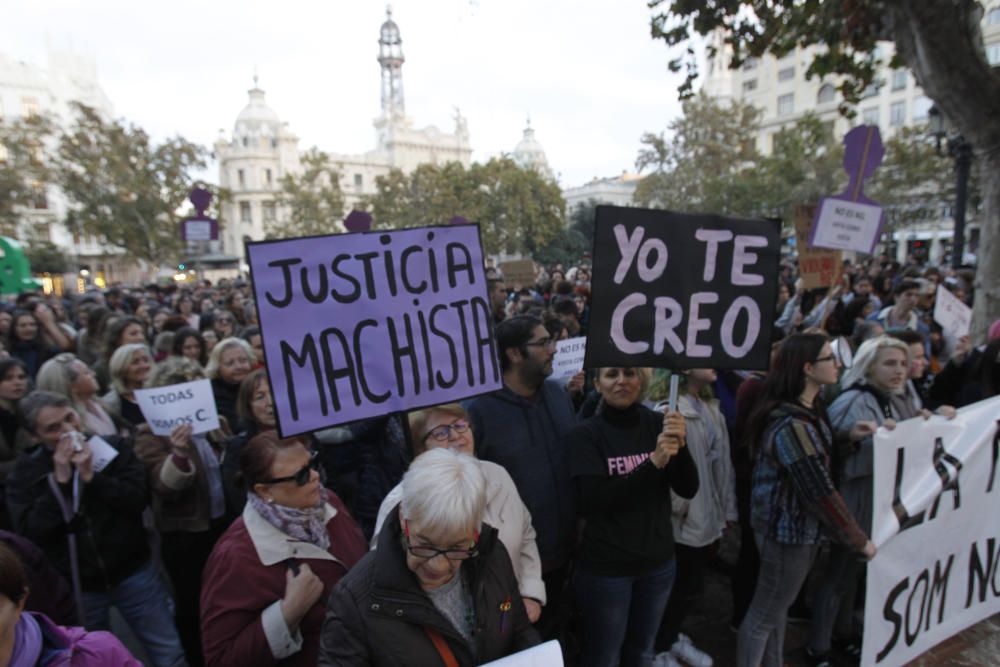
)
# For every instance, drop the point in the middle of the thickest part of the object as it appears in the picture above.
(934, 523)
(365, 324)
(188, 403)
(672, 290)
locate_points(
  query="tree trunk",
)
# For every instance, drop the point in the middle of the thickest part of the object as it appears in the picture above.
(941, 42)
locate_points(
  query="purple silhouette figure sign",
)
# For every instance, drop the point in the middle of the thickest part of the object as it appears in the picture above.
(200, 227)
(850, 220)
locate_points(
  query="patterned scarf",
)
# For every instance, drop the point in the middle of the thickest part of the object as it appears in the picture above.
(301, 525)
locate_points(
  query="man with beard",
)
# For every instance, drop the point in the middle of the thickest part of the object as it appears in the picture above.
(498, 299)
(522, 427)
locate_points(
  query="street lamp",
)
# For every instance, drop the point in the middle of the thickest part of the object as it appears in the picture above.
(961, 150)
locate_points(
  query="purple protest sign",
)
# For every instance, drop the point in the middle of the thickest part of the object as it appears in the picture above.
(365, 324)
(850, 220)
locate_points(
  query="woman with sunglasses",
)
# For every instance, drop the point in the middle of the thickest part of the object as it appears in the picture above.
(447, 426)
(266, 582)
(189, 505)
(440, 588)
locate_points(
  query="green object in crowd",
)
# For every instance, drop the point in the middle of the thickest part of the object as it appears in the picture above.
(15, 270)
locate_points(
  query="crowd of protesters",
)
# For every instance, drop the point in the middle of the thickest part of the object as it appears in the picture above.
(585, 512)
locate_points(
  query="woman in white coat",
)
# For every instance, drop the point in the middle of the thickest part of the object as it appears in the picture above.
(448, 426)
(699, 522)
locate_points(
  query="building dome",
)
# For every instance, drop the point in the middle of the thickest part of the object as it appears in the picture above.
(257, 119)
(389, 32)
(529, 153)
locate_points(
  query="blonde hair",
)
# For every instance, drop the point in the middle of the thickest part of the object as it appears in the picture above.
(444, 492)
(644, 378)
(120, 361)
(418, 422)
(867, 355)
(215, 358)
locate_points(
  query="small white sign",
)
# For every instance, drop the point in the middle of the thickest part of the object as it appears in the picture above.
(569, 359)
(188, 403)
(953, 315)
(197, 230)
(847, 225)
(544, 655)
(102, 453)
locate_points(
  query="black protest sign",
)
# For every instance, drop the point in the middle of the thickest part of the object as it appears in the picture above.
(675, 290)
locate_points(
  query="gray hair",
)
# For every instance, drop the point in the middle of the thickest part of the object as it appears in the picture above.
(444, 491)
(35, 402)
(120, 360)
(867, 355)
(57, 374)
(175, 370)
(215, 358)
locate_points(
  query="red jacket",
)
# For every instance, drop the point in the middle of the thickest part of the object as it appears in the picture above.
(244, 580)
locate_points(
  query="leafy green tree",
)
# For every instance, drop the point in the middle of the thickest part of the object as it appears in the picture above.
(46, 257)
(123, 187)
(940, 41)
(24, 168)
(518, 210)
(312, 201)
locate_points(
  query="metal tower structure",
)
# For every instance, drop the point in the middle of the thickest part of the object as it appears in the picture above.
(390, 58)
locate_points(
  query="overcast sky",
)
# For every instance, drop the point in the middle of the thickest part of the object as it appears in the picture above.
(586, 71)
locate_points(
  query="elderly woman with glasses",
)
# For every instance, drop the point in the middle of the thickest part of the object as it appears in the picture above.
(266, 582)
(447, 426)
(439, 588)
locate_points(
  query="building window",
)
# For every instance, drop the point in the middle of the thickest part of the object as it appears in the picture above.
(749, 64)
(921, 106)
(786, 104)
(39, 199)
(267, 211)
(29, 107)
(749, 85)
(993, 54)
(358, 181)
(993, 17)
(245, 212)
(897, 114)
(898, 79)
(246, 142)
(870, 91)
(869, 116)
(786, 74)
(241, 178)
(268, 177)
(274, 143)
(827, 93)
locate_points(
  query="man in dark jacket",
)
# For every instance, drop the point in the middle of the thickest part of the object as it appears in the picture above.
(522, 427)
(82, 501)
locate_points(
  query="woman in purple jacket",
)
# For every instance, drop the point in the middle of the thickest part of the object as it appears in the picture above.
(29, 639)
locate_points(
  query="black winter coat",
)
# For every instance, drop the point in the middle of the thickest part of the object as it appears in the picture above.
(377, 614)
(111, 541)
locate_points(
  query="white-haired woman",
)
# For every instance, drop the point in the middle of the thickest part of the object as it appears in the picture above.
(880, 369)
(130, 367)
(66, 375)
(230, 362)
(440, 586)
(447, 426)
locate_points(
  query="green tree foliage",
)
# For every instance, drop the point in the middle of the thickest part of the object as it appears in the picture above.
(46, 257)
(123, 187)
(312, 201)
(518, 210)
(940, 41)
(24, 168)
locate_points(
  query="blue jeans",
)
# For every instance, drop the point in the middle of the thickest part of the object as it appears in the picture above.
(146, 607)
(620, 615)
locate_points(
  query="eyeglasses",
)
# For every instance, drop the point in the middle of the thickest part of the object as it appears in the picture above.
(826, 358)
(301, 478)
(443, 432)
(545, 342)
(429, 552)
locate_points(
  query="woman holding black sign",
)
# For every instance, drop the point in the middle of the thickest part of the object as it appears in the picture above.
(795, 505)
(627, 460)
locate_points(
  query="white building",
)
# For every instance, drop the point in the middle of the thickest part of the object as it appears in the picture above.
(27, 89)
(778, 88)
(262, 149)
(529, 154)
(614, 190)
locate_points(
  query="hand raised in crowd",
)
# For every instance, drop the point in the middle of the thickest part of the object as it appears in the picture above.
(575, 385)
(533, 609)
(869, 550)
(65, 458)
(180, 440)
(302, 590)
(670, 440)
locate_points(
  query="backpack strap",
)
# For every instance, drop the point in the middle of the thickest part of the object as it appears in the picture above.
(442, 647)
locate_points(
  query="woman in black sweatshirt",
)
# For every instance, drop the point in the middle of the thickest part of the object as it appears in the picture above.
(626, 460)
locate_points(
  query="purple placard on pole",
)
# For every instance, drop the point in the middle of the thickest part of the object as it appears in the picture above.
(369, 323)
(850, 220)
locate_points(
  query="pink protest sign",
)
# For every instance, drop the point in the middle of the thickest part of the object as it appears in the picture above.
(850, 220)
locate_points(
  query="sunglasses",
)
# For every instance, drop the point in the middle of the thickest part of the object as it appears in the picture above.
(301, 478)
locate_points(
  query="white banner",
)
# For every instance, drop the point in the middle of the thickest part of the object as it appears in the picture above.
(188, 403)
(569, 359)
(937, 531)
